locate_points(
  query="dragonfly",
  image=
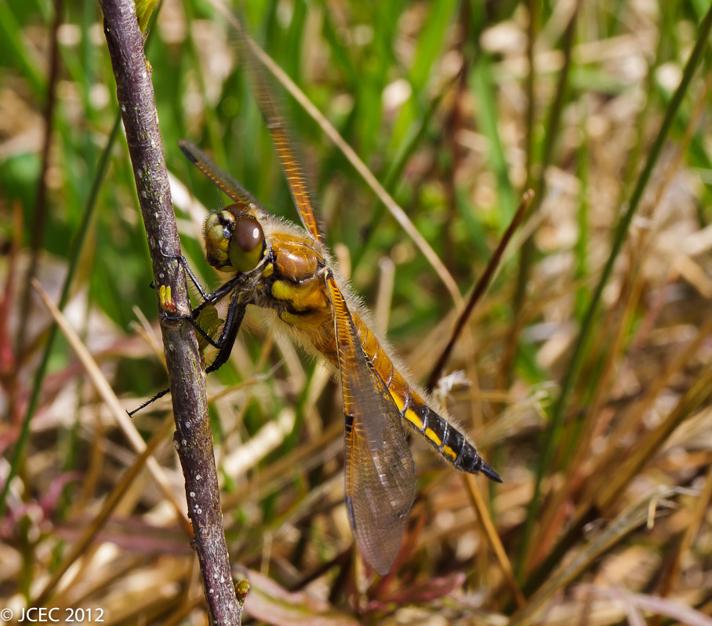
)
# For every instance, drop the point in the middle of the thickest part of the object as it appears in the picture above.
(288, 273)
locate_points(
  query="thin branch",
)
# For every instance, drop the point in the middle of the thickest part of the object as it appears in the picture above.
(480, 288)
(193, 436)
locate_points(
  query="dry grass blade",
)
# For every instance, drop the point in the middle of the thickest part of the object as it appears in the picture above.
(112, 402)
(279, 473)
(653, 604)
(610, 484)
(384, 296)
(624, 431)
(272, 604)
(700, 508)
(635, 417)
(260, 445)
(612, 487)
(615, 532)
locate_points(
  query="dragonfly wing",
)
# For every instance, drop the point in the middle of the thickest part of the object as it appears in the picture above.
(284, 147)
(222, 180)
(379, 470)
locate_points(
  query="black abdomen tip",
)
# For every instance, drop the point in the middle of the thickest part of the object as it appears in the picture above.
(489, 472)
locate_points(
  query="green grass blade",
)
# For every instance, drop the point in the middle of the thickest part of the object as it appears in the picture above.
(482, 84)
(15, 51)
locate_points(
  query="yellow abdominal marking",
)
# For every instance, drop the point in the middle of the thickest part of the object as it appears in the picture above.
(448, 451)
(430, 434)
(410, 414)
(414, 419)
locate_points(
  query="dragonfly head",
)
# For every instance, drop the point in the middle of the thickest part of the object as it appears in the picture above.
(234, 240)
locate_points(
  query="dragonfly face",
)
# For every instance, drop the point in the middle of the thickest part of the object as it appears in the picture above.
(281, 267)
(234, 240)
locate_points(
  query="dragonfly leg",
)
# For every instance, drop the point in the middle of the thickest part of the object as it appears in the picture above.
(160, 394)
(182, 261)
(172, 317)
(218, 294)
(193, 278)
(235, 314)
(233, 320)
(208, 297)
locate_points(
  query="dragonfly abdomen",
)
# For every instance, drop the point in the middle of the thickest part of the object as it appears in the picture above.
(452, 445)
(449, 442)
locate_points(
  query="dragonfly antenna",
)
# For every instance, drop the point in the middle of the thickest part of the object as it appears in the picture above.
(160, 394)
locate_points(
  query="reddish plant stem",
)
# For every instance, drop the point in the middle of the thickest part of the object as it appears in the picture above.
(39, 219)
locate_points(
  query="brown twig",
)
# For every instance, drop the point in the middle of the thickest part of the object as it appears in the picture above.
(480, 288)
(193, 437)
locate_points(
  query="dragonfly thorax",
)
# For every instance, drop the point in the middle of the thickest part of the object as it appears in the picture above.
(234, 240)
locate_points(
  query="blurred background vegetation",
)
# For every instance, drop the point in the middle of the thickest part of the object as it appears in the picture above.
(596, 413)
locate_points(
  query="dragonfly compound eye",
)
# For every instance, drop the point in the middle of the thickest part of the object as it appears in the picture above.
(217, 231)
(247, 244)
